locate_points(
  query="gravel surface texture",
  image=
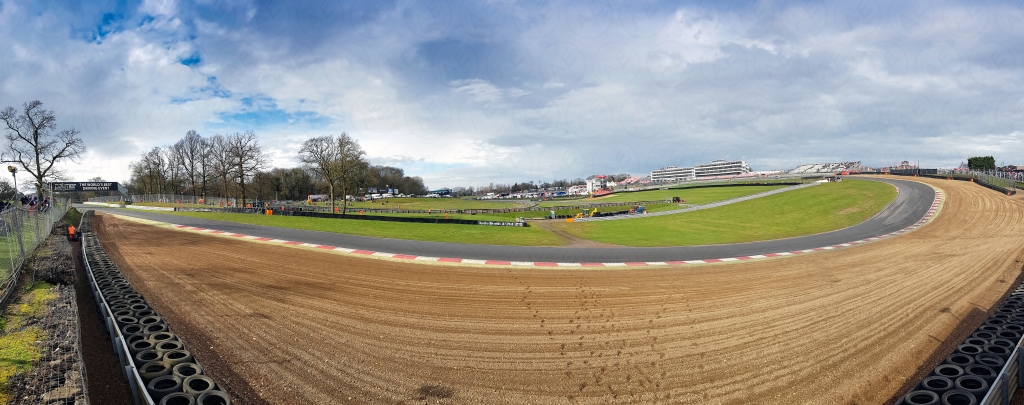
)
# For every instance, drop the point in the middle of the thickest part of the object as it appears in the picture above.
(285, 325)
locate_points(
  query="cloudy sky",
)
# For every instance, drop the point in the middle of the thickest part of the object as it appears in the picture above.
(469, 93)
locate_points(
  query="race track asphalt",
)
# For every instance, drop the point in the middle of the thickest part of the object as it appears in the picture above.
(910, 206)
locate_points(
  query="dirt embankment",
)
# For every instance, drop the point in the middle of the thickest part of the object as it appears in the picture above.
(295, 326)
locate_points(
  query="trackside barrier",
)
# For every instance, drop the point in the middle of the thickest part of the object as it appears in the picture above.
(92, 256)
(968, 375)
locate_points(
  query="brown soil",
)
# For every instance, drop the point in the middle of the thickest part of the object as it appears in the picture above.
(295, 326)
(570, 240)
(106, 383)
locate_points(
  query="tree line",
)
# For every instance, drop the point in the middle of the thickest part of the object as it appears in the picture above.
(235, 165)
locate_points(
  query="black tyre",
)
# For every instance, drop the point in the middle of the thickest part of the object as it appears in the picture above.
(921, 398)
(1003, 342)
(213, 398)
(973, 384)
(960, 359)
(144, 313)
(154, 369)
(969, 341)
(129, 339)
(1003, 352)
(140, 346)
(178, 398)
(131, 329)
(161, 337)
(984, 335)
(169, 345)
(959, 397)
(989, 360)
(986, 373)
(161, 386)
(150, 320)
(186, 370)
(995, 322)
(970, 350)
(176, 357)
(937, 384)
(198, 384)
(948, 370)
(1010, 335)
(147, 356)
(154, 328)
(126, 320)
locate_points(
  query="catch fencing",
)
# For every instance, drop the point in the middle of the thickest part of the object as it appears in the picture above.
(21, 231)
(1003, 182)
(172, 199)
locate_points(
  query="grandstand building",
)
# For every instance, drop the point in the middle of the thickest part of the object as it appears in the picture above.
(716, 168)
(837, 167)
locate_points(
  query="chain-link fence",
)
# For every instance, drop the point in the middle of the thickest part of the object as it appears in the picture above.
(58, 375)
(21, 231)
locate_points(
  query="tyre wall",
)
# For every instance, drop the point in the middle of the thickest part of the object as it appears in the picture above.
(159, 368)
(983, 370)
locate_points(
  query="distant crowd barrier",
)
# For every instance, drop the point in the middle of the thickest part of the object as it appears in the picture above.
(993, 180)
(397, 219)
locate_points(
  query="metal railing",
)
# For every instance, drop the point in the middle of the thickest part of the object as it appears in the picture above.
(22, 230)
(171, 199)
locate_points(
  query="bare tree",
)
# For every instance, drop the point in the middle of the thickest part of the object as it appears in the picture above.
(352, 164)
(220, 161)
(205, 162)
(246, 157)
(189, 151)
(339, 162)
(32, 142)
(322, 155)
(149, 173)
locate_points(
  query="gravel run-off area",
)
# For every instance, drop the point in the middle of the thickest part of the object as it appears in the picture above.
(287, 325)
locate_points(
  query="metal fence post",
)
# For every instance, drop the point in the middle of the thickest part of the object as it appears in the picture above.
(1020, 366)
(17, 230)
(1005, 378)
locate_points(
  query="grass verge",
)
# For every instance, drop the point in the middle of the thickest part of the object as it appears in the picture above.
(698, 196)
(822, 208)
(18, 348)
(473, 234)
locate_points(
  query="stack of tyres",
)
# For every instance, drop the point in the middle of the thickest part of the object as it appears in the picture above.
(967, 374)
(172, 376)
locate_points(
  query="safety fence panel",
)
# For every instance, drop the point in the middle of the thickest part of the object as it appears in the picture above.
(22, 230)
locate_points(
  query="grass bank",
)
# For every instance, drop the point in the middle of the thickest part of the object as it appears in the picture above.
(822, 208)
(473, 234)
(697, 196)
(18, 344)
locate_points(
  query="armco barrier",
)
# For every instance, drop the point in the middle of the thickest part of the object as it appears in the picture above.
(130, 310)
(986, 369)
(398, 219)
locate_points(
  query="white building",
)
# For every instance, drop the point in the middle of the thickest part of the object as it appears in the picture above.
(597, 183)
(714, 169)
(672, 173)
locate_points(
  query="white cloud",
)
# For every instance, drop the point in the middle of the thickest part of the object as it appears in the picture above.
(533, 94)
